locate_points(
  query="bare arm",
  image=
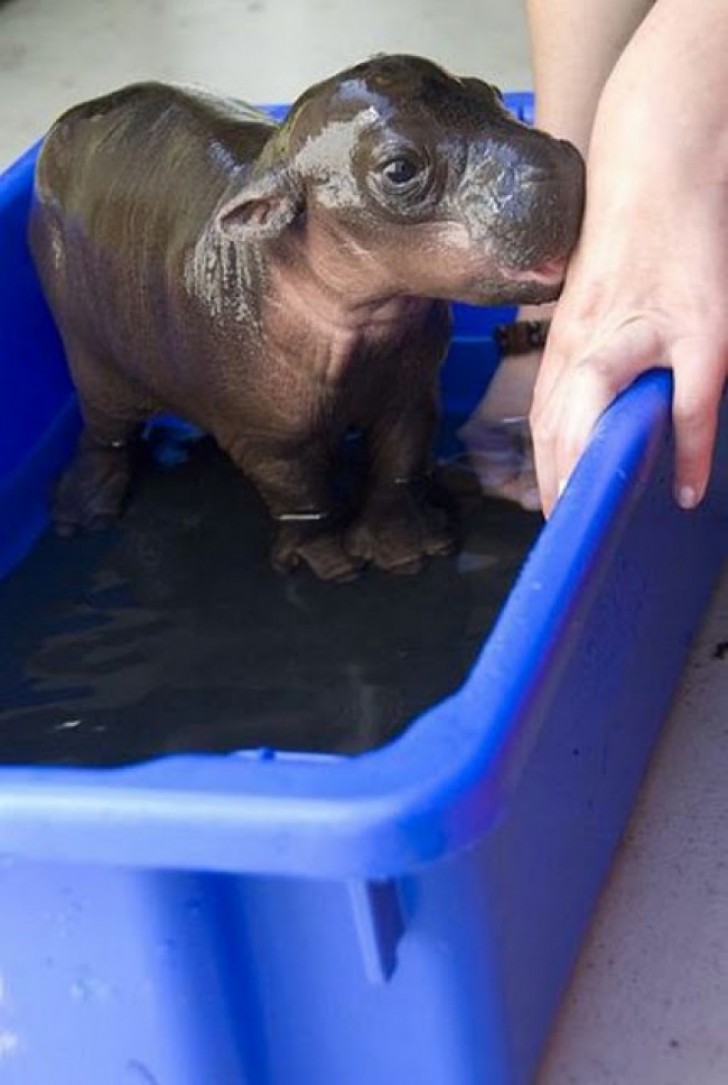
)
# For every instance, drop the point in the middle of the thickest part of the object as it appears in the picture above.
(574, 46)
(647, 284)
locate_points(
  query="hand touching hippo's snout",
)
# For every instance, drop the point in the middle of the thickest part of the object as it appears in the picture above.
(281, 285)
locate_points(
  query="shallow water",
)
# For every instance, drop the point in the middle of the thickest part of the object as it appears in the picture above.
(171, 633)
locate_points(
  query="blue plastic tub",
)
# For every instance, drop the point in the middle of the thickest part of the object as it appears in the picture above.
(410, 914)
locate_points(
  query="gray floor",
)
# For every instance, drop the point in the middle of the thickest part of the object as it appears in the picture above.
(648, 1004)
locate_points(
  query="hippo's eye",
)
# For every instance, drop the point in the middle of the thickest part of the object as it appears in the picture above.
(401, 177)
(400, 171)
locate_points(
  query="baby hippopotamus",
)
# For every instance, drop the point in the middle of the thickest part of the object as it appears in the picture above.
(282, 285)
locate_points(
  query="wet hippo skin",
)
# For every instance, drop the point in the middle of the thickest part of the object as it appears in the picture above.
(281, 285)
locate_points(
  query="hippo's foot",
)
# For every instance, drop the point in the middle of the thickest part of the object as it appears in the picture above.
(90, 494)
(399, 528)
(319, 547)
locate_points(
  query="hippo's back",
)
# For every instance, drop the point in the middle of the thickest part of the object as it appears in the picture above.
(125, 186)
(150, 147)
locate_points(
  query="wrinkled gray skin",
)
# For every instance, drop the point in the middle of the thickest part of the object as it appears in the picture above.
(279, 285)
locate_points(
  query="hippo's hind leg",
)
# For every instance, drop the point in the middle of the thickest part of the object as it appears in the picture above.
(91, 492)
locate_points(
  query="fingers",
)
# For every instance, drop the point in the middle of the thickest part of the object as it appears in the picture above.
(571, 396)
(696, 399)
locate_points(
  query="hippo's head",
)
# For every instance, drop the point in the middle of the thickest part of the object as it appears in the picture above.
(422, 179)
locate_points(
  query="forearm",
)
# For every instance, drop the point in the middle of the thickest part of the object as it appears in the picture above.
(574, 46)
(671, 87)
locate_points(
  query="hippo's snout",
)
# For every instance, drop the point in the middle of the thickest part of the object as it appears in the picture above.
(526, 202)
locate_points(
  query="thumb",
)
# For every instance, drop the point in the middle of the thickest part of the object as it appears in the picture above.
(563, 423)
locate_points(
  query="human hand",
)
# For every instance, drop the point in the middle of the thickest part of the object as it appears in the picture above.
(647, 286)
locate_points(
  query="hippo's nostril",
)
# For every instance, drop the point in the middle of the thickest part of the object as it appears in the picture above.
(535, 175)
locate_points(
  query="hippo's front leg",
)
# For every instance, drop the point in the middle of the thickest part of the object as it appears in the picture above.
(404, 519)
(293, 478)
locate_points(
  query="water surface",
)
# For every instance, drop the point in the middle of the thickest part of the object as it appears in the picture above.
(171, 632)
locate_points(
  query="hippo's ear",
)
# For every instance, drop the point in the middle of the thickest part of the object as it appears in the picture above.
(264, 207)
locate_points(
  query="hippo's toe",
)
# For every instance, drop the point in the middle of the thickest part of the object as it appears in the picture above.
(323, 552)
(400, 529)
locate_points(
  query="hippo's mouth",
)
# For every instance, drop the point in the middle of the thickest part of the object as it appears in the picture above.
(549, 273)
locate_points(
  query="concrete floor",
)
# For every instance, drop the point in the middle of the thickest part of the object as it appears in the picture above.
(648, 1004)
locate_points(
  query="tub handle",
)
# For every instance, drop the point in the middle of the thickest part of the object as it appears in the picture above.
(379, 924)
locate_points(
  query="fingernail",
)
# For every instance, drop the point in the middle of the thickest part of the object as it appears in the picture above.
(687, 497)
(562, 486)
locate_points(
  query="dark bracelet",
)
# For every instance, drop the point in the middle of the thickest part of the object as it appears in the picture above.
(521, 336)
